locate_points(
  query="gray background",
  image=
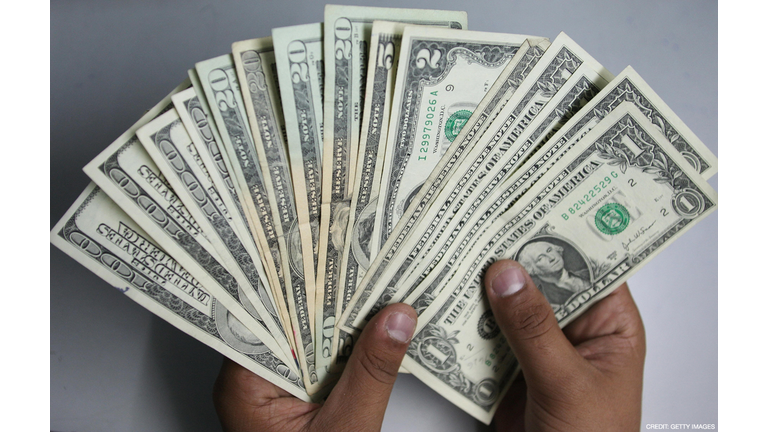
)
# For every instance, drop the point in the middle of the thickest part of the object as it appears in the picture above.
(115, 367)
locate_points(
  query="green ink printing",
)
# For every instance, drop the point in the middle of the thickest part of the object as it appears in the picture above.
(612, 219)
(455, 122)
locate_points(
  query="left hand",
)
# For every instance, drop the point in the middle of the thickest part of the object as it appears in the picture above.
(246, 402)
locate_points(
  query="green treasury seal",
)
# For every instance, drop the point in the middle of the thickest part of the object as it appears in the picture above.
(612, 218)
(455, 122)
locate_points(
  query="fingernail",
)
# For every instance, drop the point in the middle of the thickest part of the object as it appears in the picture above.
(400, 327)
(508, 282)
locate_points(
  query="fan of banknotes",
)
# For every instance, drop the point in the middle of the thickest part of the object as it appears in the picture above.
(284, 193)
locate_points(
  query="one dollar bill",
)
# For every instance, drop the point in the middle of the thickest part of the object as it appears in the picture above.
(628, 87)
(593, 220)
(540, 107)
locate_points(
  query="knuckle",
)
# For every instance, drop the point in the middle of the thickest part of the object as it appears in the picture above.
(531, 320)
(378, 366)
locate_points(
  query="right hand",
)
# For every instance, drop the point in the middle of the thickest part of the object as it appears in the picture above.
(587, 377)
(247, 402)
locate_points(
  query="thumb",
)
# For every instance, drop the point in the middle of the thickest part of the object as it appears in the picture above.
(526, 318)
(361, 395)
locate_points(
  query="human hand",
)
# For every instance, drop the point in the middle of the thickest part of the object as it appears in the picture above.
(586, 377)
(246, 402)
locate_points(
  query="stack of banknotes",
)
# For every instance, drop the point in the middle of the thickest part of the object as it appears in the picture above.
(284, 193)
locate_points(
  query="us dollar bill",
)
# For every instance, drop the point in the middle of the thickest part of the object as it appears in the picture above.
(218, 78)
(196, 116)
(488, 109)
(510, 79)
(194, 113)
(431, 103)
(357, 254)
(628, 87)
(300, 69)
(444, 77)
(538, 110)
(620, 197)
(169, 145)
(255, 65)
(347, 33)
(100, 236)
(126, 173)
(219, 84)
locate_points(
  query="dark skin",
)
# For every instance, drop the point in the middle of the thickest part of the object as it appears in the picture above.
(586, 377)
(247, 402)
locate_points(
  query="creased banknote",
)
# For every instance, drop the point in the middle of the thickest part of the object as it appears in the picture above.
(347, 33)
(358, 252)
(100, 236)
(405, 152)
(169, 145)
(127, 174)
(255, 64)
(619, 197)
(444, 74)
(532, 116)
(300, 69)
